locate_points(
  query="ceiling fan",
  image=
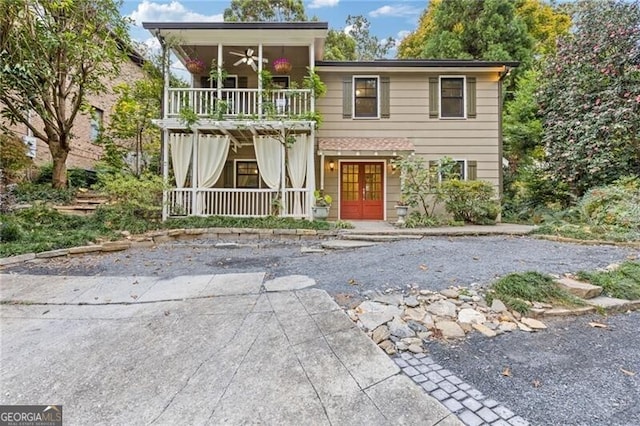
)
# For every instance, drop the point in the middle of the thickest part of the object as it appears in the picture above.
(248, 57)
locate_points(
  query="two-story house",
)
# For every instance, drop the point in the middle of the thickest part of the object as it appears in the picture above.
(225, 136)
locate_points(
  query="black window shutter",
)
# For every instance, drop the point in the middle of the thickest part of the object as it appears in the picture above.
(472, 170)
(434, 97)
(385, 97)
(471, 97)
(347, 97)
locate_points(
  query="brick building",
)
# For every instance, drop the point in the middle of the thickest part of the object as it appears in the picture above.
(84, 151)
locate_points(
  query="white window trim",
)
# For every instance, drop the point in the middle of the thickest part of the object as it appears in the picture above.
(235, 172)
(465, 168)
(464, 97)
(353, 97)
(283, 76)
(96, 122)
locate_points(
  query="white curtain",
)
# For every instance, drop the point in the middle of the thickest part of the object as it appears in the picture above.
(181, 145)
(212, 154)
(269, 157)
(297, 168)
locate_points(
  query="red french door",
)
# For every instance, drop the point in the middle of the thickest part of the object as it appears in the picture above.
(361, 191)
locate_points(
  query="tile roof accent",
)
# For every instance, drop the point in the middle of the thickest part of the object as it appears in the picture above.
(365, 144)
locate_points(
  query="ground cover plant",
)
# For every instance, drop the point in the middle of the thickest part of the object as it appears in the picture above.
(520, 290)
(622, 282)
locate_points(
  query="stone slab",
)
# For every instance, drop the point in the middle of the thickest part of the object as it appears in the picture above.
(316, 301)
(176, 288)
(289, 282)
(347, 244)
(228, 284)
(579, 289)
(12, 260)
(44, 288)
(344, 401)
(403, 402)
(366, 362)
(608, 303)
(52, 253)
(114, 289)
(85, 249)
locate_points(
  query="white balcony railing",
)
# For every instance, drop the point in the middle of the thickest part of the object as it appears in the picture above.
(240, 103)
(237, 202)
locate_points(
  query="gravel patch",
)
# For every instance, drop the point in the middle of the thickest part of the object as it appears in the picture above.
(431, 263)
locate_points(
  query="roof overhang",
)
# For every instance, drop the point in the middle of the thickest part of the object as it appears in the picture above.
(240, 33)
(413, 65)
(365, 146)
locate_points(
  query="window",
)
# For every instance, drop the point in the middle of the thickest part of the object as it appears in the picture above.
(452, 97)
(247, 175)
(97, 116)
(365, 95)
(462, 170)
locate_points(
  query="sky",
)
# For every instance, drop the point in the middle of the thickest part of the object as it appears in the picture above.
(388, 18)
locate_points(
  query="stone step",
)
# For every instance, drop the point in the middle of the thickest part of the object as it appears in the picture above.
(379, 238)
(579, 289)
(78, 209)
(611, 303)
(346, 244)
(92, 200)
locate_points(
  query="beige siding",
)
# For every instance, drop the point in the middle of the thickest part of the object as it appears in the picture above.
(473, 139)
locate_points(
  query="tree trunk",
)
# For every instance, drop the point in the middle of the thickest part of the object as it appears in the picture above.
(59, 155)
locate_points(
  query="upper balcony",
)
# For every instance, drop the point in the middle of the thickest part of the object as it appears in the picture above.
(230, 81)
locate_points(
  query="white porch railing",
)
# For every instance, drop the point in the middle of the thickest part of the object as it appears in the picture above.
(239, 103)
(236, 202)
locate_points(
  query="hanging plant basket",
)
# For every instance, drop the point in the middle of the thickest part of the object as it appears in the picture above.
(194, 66)
(282, 66)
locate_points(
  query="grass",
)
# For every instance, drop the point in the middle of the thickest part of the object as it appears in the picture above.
(621, 283)
(40, 228)
(515, 290)
(589, 232)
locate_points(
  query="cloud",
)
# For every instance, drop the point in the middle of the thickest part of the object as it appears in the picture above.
(317, 4)
(150, 11)
(397, 11)
(402, 35)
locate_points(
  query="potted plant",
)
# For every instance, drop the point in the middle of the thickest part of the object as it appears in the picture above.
(402, 209)
(322, 204)
(195, 66)
(281, 65)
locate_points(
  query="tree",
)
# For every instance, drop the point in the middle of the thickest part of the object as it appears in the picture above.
(368, 47)
(265, 11)
(411, 46)
(545, 23)
(53, 54)
(473, 29)
(137, 105)
(339, 46)
(590, 97)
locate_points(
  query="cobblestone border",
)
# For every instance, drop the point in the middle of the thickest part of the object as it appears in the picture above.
(470, 405)
(559, 239)
(153, 238)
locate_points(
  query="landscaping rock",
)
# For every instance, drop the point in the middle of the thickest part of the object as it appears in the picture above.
(484, 330)
(400, 329)
(388, 347)
(411, 301)
(533, 323)
(450, 293)
(471, 316)
(416, 314)
(380, 334)
(416, 349)
(373, 314)
(442, 308)
(580, 289)
(393, 299)
(508, 326)
(498, 306)
(450, 329)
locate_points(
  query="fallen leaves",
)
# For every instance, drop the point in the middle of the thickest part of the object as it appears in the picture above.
(506, 372)
(351, 281)
(627, 372)
(423, 267)
(536, 383)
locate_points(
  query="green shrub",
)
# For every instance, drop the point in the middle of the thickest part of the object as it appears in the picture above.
(10, 232)
(13, 157)
(140, 196)
(621, 283)
(27, 192)
(617, 204)
(470, 201)
(76, 177)
(516, 289)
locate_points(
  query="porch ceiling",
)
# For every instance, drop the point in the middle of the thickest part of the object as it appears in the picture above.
(367, 146)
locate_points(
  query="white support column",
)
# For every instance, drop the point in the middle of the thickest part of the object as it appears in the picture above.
(194, 173)
(166, 57)
(312, 66)
(311, 172)
(283, 173)
(322, 171)
(260, 80)
(219, 82)
(165, 175)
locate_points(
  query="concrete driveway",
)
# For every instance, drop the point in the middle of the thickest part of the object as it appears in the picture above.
(204, 349)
